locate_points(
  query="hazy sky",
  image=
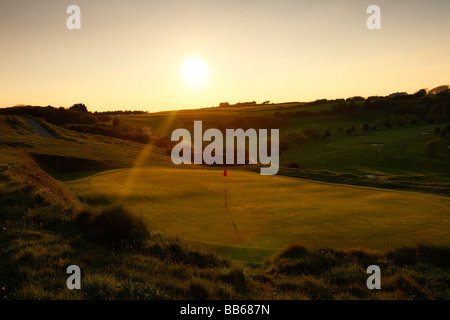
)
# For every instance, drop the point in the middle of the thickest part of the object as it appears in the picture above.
(128, 54)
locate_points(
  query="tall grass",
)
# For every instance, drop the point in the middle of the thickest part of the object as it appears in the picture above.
(43, 231)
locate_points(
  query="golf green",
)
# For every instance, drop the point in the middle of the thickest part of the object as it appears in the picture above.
(269, 212)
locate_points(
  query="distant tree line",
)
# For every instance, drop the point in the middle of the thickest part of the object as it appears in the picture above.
(300, 136)
(77, 114)
(122, 112)
(404, 110)
(239, 104)
(429, 106)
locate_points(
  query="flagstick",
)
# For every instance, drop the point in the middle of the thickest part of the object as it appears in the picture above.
(225, 175)
(226, 206)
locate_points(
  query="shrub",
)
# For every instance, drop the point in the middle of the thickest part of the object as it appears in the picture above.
(421, 93)
(432, 146)
(446, 129)
(312, 133)
(294, 252)
(117, 225)
(79, 107)
(62, 116)
(293, 165)
(439, 90)
(116, 122)
(297, 136)
(236, 278)
(83, 219)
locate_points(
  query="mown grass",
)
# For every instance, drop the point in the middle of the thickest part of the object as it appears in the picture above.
(264, 213)
(402, 151)
(43, 230)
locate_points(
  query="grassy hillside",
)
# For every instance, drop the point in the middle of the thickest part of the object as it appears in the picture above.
(44, 230)
(397, 150)
(379, 142)
(16, 135)
(360, 185)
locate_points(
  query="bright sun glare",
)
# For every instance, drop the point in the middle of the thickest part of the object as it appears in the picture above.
(194, 71)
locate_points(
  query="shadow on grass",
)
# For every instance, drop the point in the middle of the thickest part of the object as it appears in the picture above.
(69, 168)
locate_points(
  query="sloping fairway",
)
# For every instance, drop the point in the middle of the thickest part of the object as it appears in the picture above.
(270, 212)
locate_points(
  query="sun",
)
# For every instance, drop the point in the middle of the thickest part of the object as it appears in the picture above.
(194, 71)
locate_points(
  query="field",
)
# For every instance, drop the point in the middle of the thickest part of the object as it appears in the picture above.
(354, 189)
(189, 203)
(398, 151)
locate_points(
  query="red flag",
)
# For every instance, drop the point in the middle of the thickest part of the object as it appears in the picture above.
(224, 172)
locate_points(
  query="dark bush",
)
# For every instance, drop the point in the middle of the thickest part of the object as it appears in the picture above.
(357, 98)
(236, 278)
(62, 116)
(293, 165)
(446, 129)
(433, 146)
(294, 252)
(117, 226)
(312, 133)
(312, 262)
(297, 136)
(79, 107)
(83, 219)
(116, 122)
(439, 90)
(421, 93)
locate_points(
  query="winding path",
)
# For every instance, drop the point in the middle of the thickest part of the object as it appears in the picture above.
(39, 129)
